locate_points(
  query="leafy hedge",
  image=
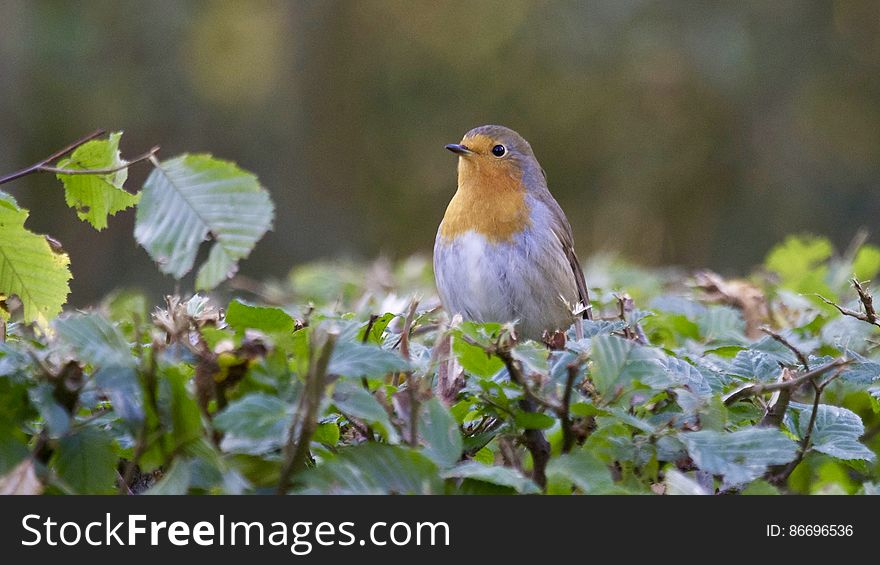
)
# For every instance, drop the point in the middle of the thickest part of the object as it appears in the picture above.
(348, 385)
(349, 378)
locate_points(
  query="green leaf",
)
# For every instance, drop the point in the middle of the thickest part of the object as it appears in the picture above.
(97, 196)
(267, 319)
(352, 400)
(836, 431)
(739, 456)
(502, 476)
(583, 470)
(533, 420)
(86, 461)
(475, 360)
(94, 340)
(440, 433)
(754, 365)
(356, 360)
(56, 417)
(327, 433)
(29, 268)
(192, 198)
(799, 262)
(867, 262)
(374, 468)
(254, 424)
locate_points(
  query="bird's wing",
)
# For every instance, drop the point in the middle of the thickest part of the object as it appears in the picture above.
(562, 229)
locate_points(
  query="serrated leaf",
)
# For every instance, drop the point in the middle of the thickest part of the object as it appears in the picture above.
(754, 365)
(374, 468)
(836, 431)
(267, 319)
(29, 268)
(617, 362)
(86, 461)
(254, 424)
(440, 433)
(356, 360)
(192, 198)
(740, 456)
(502, 476)
(97, 196)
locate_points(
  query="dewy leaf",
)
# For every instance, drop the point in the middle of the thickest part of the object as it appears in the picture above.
(440, 432)
(374, 468)
(739, 456)
(29, 268)
(192, 198)
(97, 196)
(836, 431)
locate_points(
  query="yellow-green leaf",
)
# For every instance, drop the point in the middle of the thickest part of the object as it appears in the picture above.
(29, 268)
(97, 196)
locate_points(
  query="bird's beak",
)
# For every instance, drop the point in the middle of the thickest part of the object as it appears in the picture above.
(459, 149)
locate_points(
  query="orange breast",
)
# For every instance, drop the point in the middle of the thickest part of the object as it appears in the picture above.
(490, 200)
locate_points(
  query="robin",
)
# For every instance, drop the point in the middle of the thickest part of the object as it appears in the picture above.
(504, 251)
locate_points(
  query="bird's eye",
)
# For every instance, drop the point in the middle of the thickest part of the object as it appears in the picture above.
(499, 151)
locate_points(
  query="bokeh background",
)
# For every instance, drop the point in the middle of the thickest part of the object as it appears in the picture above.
(688, 133)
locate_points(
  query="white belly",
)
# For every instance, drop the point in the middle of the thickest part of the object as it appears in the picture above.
(527, 280)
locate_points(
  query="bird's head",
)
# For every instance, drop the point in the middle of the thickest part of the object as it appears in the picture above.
(493, 154)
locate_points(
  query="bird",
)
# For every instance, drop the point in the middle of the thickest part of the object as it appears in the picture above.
(504, 251)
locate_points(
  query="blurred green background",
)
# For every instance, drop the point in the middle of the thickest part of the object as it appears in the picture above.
(691, 133)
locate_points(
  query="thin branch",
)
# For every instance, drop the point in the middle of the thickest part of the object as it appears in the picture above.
(144, 157)
(53, 157)
(535, 441)
(565, 418)
(782, 476)
(756, 389)
(297, 448)
(869, 315)
(798, 353)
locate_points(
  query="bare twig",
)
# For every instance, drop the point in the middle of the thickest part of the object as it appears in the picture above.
(53, 157)
(625, 307)
(756, 389)
(775, 411)
(144, 157)
(798, 353)
(781, 476)
(534, 439)
(869, 315)
(297, 448)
